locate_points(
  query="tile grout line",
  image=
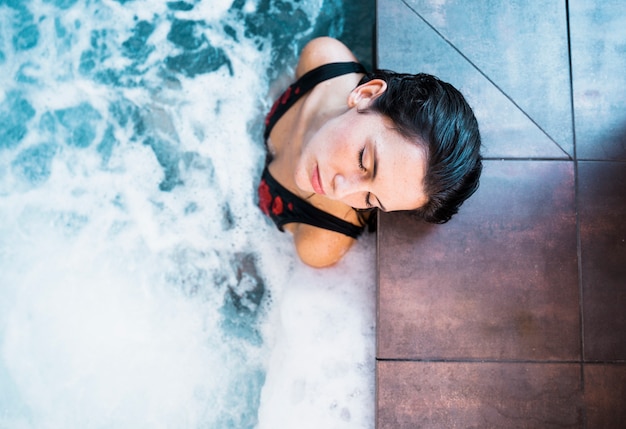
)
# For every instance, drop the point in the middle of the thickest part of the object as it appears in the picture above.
(581, 312)
(484, 75)
(507, 158)
(495, 360)
(480, 361)
(527, 159)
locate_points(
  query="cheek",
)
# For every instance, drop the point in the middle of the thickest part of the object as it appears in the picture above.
(335, 144)
(341, 145)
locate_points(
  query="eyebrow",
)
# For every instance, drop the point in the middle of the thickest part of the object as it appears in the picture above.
(374, 172)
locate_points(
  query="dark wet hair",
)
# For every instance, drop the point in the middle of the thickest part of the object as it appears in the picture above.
(437, 117)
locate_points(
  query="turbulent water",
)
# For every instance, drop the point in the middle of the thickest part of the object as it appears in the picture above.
(140, 286)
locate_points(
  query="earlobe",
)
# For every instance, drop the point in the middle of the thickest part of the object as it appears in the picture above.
(367, 92)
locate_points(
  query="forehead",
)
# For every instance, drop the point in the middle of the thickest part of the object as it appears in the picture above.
(402, 167)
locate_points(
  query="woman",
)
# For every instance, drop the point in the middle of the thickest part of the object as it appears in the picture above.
(342, 143)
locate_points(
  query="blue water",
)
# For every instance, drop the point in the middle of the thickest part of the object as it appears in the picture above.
(139, 284)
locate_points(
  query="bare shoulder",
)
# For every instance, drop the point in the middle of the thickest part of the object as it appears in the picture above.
(322, 50)
(319, 247)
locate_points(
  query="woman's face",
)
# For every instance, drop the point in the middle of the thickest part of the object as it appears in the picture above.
(362, 161)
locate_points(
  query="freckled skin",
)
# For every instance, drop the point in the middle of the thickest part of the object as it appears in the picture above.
(330, 131)
(335, 149)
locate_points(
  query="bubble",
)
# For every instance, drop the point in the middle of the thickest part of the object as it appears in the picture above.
(62, 4)
(80, 122)
(26, 38)
(15, 114)
(34, 163)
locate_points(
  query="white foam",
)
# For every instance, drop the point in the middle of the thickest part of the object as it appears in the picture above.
(320, 373)
(88, 333)
(112, 309)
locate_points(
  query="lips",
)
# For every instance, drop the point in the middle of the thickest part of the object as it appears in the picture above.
(316, 182)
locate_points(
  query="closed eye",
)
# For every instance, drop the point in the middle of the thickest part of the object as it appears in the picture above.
(368, 196)
(360, 160)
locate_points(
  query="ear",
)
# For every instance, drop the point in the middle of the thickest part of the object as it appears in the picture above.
(363, 95)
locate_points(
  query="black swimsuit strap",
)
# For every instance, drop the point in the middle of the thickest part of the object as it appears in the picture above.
(303, 85)
(274, 199)
(290, 208)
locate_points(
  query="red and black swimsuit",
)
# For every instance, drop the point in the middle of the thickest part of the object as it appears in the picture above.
(276, 201)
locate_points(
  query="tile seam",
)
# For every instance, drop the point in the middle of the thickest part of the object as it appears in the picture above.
(480, 361)
(484, 75)
(577, 208)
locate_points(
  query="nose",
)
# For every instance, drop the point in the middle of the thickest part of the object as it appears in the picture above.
(349, 184)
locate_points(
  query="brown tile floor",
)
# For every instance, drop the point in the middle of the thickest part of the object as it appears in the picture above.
(513, 315)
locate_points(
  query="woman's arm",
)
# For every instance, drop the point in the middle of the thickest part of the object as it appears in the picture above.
(317, 247)
(322, 50)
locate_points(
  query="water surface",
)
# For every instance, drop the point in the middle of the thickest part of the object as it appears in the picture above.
(139, 284)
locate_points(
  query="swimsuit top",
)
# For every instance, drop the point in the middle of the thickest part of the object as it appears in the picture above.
(276, 201)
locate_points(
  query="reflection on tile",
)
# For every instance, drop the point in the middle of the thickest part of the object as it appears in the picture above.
(605, 395)
(499, 281)
(598, 38)
(521, 46)
(602, 199)
(544, 96)
(469, 395)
